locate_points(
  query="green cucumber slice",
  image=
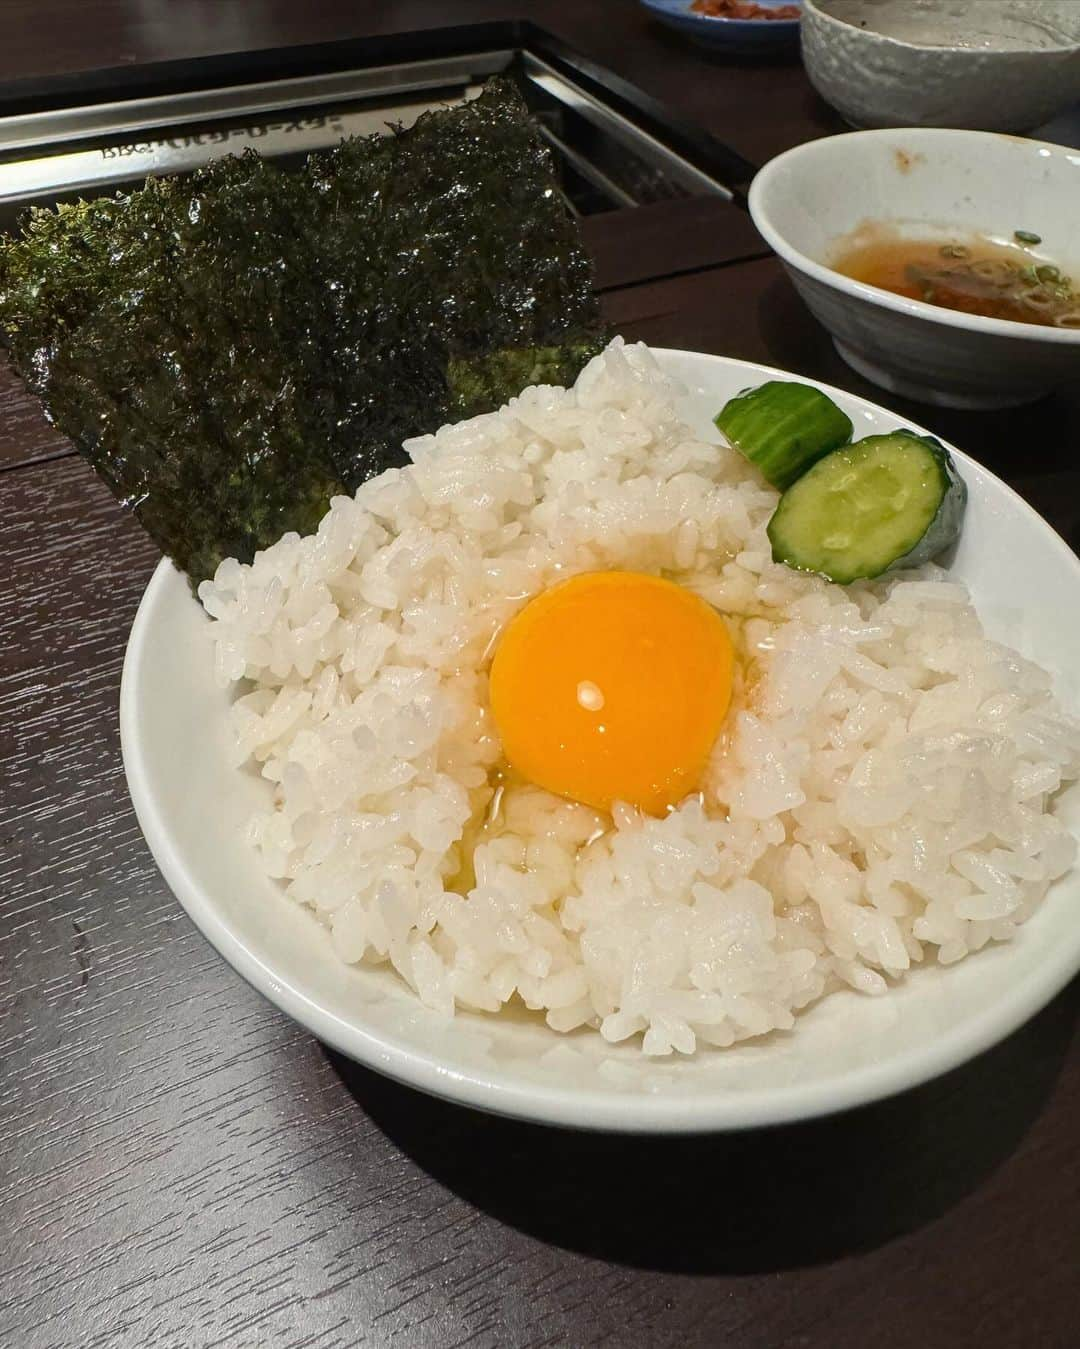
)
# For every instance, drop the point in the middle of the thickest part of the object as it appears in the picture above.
(783, 428)
(884, 502)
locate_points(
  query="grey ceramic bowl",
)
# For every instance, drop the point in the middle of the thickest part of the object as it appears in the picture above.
(812, 202)
(990, 65)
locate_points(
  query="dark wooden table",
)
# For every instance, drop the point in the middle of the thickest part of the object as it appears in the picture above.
(184, 1166)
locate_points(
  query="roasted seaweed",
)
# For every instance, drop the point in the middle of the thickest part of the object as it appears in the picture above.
(231, 348)
(149, 327)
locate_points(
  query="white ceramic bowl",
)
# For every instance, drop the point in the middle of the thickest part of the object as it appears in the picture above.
(807, 201)
(193, 806)
(994, 65)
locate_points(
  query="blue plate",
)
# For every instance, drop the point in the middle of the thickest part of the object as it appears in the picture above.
(738, 36)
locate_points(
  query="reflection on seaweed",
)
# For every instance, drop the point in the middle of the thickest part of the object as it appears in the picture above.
(739, 1203)
(232, 348)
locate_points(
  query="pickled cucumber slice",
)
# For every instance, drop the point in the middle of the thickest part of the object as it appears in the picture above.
(783, 427)
(881, 503)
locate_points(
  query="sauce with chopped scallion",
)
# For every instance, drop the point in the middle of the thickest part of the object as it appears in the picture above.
(971, 274)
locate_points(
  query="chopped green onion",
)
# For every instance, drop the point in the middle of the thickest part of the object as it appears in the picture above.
(1026, 237)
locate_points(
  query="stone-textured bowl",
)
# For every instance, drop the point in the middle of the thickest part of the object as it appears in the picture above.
(808, 201)
(992, 65)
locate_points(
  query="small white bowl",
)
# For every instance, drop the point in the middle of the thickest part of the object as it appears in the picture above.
(993, 65)
(193, 807)
(807, 202)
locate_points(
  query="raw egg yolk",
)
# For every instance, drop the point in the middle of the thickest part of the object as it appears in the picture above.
(613, 686)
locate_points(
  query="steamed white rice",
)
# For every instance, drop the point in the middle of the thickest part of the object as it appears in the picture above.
(881, 796)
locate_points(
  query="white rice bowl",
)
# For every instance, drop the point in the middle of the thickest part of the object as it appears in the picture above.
(882, 795)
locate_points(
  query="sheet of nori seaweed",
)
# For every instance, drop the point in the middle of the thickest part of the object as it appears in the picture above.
(152, 328)
(231, 348)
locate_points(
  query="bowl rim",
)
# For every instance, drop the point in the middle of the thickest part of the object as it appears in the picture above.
(601, 1111)
(764, 181)
(949, 48)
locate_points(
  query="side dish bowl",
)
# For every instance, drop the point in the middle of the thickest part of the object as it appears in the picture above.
(193, 807)
(995, 65)
(808, 201)
(739, 37)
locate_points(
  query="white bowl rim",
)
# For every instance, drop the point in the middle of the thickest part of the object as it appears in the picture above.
(874, 35)
(828, 276)
(569, 1107)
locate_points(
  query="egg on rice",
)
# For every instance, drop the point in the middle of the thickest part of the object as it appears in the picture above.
(545, 723)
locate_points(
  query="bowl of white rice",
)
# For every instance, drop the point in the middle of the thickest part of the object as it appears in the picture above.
(874, 882)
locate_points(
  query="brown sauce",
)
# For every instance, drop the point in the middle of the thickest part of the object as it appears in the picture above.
(966, 273)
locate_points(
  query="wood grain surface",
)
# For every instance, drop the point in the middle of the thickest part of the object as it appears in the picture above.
(669, 239)
(183, 1166)
(25, 435)
(180, 1165)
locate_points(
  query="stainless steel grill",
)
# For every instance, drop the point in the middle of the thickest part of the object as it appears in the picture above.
(608, 156)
